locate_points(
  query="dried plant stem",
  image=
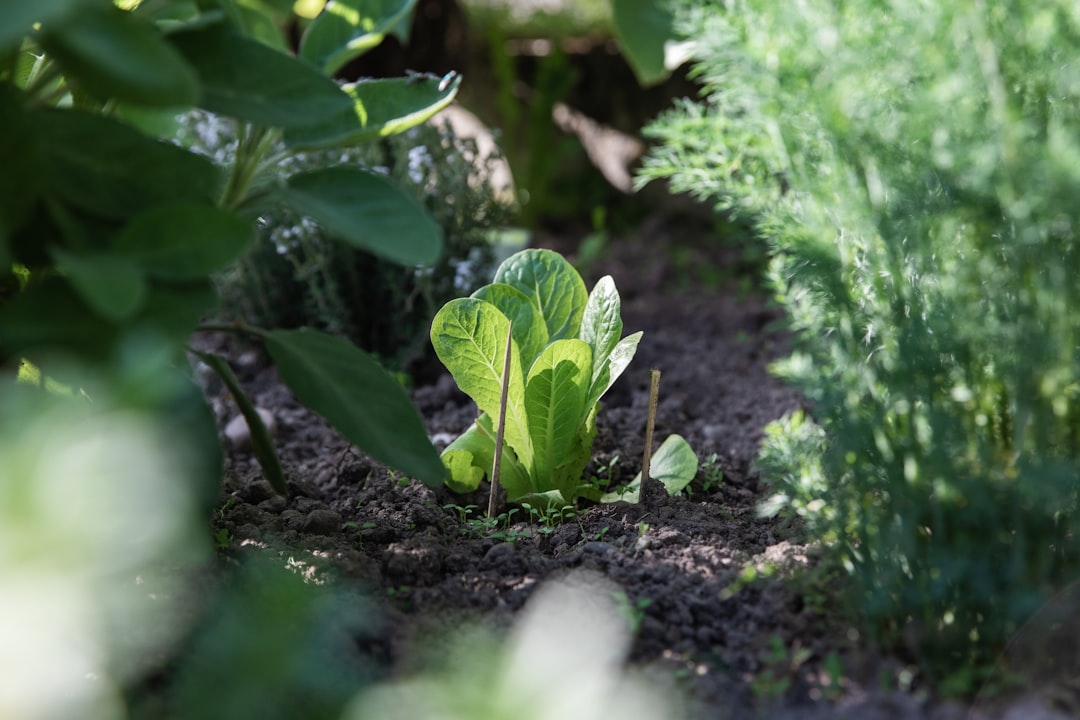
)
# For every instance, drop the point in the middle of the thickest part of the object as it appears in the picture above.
(500, 427)
(654, 391)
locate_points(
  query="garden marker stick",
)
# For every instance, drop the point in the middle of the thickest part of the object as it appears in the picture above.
(502, 423)
(646, 459)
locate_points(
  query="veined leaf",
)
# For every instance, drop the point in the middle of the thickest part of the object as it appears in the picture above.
(378, 108)
(469, 336)
(613, 367)
(555, 394)
(367, 211)
(358, 397)
(247, 80)
(111, 53)
(674, 464)
(601, 325)
(184, 241)
(552, 285)
(347, 28)
(529, 329)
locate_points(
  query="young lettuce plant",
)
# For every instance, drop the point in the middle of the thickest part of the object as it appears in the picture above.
(566, 351)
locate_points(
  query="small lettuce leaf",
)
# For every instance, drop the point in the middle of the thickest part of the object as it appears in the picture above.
(601, 324)
(470, 457)
(555, 404)
(552, 285)
(611, 368)
(469, 336)
(674, 464)
(529, 330)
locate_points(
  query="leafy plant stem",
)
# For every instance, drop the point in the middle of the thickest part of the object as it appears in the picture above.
(41, 77)
(496, 466)
(650, 423)
(253, 145)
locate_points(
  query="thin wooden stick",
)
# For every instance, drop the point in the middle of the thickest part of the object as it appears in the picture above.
(654, 390)
(500, 427)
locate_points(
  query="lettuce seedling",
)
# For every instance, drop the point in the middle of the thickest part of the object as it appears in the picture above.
(566, 352)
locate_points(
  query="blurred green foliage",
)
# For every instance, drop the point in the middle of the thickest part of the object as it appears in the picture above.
(298, 274)
(914, 167)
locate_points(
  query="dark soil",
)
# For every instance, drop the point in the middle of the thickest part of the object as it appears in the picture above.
(736, 607)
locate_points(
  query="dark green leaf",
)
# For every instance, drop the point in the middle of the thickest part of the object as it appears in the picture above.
(261, 444)
(111, 170)
(367, 211)
(347, 28)
(184, 242)
(643, 28)
(113, 54)
(175, 310)
(358, 397)
(259, 25)
(50, 315)
(112, 285)
(22, 181)
(18, 17)
(247, 80)
(378, 108)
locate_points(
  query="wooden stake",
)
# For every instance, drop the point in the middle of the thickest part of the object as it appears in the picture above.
(645, 490)
(500, 427)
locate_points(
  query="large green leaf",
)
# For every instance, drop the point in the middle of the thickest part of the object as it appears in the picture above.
(113, 286)
(643, 28)
(674, 464)
(469, 336)
(261, 444)
(113, 54)
(18, 17)
(109, 169)
(613, 367)
(529, 329)
(184, 241)
(347, 28)
(552, 285)
(378, 108)
(367, 211)
(247, 80)
(22, 182)
(358, 397)
(555, 395)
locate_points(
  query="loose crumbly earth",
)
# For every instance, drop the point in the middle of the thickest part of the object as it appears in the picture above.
(736, 646)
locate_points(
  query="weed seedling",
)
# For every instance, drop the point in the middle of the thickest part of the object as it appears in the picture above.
(633, 612)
